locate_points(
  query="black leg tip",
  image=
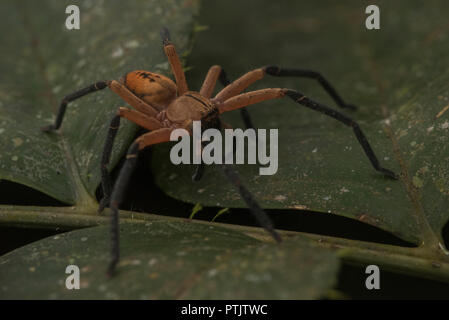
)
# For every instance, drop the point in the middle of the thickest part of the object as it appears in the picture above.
(48, 128)
(111, 269)
(198, 174)
(276, 237)
(272, 70)
(389, 174)
(165, 35)
(103, 204)
(224, 78)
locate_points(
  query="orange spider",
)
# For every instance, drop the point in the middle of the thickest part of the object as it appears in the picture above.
(161, 105)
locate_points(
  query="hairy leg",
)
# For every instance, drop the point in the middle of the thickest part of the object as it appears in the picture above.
(134, 116)
(301, 73)
(174, 61)
(239, 85)
(207, 89)
(244, 113)
(132, 100)
(148, 139)
(258, 213)
(257, 96)
(73, 96)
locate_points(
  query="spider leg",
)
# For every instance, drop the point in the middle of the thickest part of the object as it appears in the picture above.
(174, 61)
(248, 98)
(200, 168)
(217, 73)
(132, 99)
(250, 77)
(244, 113)
(284, 72)
(258, 213)
(73, 96)
(225, 126)
(199, 172)
(107, 149)
(238, 85)
(134, 116)
(301, 99)
(253, 97)
(150, 138)
(116, 199)
(210, 81)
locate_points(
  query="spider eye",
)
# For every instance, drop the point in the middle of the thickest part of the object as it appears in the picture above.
(155, 89)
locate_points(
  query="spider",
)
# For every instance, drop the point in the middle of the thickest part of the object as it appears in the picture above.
(161, 105)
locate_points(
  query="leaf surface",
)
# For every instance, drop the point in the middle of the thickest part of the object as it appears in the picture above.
(169, 260)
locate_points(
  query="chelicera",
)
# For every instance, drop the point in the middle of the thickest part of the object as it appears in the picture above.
(162, 105)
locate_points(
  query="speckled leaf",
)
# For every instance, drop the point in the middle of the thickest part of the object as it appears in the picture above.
(41, 61)
(169, 260)
(398, 77)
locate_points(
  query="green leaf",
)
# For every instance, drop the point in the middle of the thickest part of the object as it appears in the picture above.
(397, 73)
(42, 62)
(397, 76)
(169, 260)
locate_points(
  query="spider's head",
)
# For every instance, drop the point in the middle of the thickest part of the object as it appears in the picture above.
(155, 89)
(192, 106)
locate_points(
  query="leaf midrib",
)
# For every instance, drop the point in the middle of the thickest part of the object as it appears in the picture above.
(83, 200)
(429, 239)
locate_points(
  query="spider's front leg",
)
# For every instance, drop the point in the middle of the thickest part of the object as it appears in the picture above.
(138, 118)
(175, 62)
(148, 139)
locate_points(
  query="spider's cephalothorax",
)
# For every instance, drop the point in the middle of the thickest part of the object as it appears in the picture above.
(161, 105)
(173, 111)
(189, 107)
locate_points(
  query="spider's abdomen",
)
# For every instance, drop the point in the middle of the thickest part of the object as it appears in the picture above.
(190, 106)
(155, 89)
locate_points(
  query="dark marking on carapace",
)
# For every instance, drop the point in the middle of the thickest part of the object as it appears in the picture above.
(200, 101)
(147, 75)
